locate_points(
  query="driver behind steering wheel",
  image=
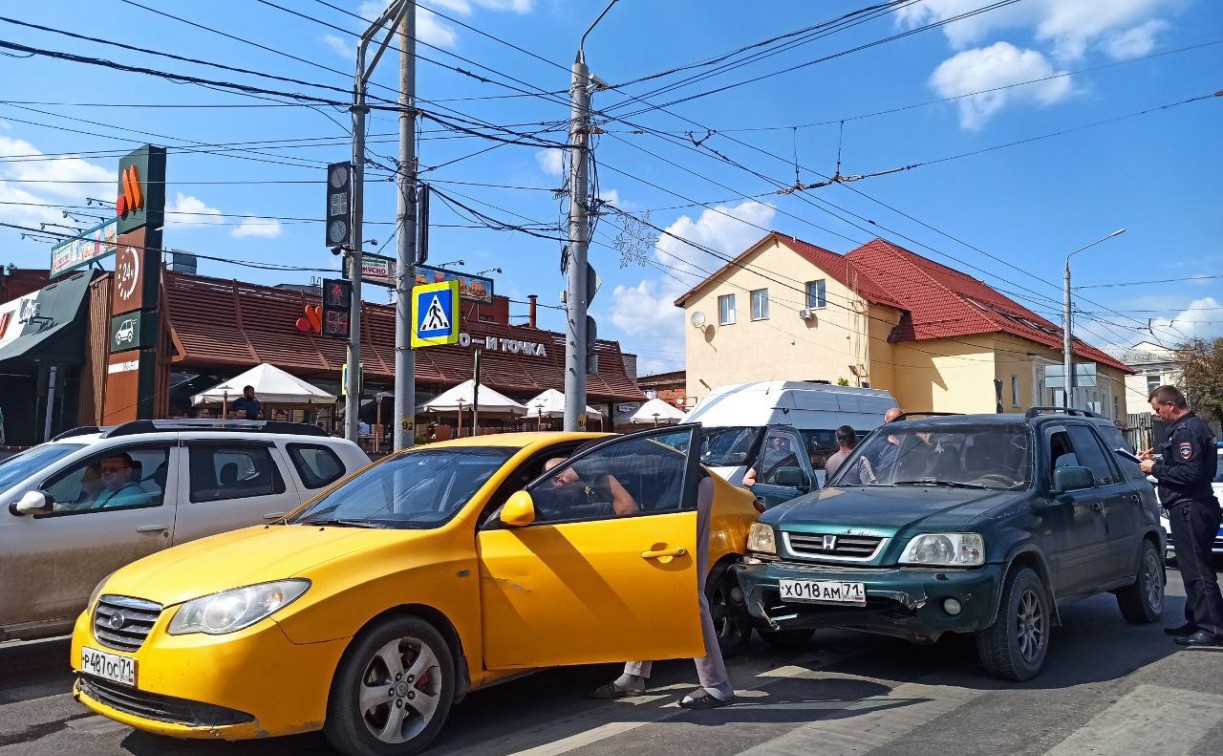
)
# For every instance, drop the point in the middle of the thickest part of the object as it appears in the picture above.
(602, 489)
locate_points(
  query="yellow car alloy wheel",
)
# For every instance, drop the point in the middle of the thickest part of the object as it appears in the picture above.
(393, 689)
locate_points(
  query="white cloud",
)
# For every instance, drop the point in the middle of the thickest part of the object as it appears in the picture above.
(998, 65)
(65, 176)
(1200, 320)
(340, 46)
(262, 228)
(611, 197)
(1136, 42)
(648, 309)
(1070, 27)
(551, 160)
(189, 212)
(729, 230)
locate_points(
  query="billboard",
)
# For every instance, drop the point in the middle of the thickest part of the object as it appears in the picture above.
(380, 271)
(94, 244)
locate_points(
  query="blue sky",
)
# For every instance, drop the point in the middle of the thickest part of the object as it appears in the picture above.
(1157, 175)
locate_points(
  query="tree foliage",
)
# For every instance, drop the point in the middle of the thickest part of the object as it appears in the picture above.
(1201, 367)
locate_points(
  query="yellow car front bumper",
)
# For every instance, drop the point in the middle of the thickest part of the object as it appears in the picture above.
(252, 684)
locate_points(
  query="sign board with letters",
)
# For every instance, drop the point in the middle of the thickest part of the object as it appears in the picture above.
(476, 288)
(133, 330)
(435, 314)
(141, 197)
(137, 276)
(94, 244)
(337, 306)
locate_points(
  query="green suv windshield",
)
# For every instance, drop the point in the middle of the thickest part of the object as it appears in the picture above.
(420, 489)
(987, 457)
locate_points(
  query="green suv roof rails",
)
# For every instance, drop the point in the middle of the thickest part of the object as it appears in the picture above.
(1037, 411)
(135, 427)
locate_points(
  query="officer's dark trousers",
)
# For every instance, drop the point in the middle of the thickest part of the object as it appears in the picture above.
(1194, 526)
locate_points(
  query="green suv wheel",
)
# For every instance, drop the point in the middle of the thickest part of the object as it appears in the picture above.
(1015, 646)
(1143, 602)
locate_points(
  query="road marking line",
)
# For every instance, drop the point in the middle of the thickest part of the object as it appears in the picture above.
(885, 719)
(1151, 720)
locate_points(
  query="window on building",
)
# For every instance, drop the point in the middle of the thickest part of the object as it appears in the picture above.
(726, 309)
(1014, 391)
(1116, 408)
(816, 294)
(1153, 382)
(760, 304)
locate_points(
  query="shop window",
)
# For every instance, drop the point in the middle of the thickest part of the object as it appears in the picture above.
(726, 309)
(760, 304)
(816, 291)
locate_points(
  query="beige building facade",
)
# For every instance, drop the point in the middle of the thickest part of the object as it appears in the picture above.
(878, 317)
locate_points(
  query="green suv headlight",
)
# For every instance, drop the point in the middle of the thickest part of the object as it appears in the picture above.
(231, 611)
(945, 550)
(761, 539)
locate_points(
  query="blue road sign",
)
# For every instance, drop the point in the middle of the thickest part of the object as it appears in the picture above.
(435, 314)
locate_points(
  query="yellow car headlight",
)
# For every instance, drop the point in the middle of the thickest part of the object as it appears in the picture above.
(231, 611)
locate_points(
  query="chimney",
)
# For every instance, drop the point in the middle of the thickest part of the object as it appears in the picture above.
(532, 311)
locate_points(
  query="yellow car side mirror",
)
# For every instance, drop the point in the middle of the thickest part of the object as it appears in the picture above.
(519, 511)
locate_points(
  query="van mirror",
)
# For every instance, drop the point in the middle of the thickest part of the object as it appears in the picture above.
(32, 503)
(519, 511)
(1072, 479)
(791, 477)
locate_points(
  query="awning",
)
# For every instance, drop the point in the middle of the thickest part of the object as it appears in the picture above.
(48, 325)
(272, 386)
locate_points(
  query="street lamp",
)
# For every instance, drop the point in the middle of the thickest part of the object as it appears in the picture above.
(1067, 354)
(490, 270)
(452, 262)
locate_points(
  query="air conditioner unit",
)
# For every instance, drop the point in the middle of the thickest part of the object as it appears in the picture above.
(807, 313)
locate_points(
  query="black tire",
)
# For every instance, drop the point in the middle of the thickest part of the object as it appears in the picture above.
(730, 617)
(786, 638)
(350, 725)
(1143, 602)
(1015, 646)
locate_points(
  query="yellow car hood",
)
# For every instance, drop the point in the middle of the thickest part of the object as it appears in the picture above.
(241, 557)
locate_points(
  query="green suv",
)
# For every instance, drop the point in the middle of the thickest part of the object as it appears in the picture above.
(982, 524)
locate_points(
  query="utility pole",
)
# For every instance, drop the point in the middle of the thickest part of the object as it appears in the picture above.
(577, 351)
(1067, 352)
(405, 264)
(393, 14)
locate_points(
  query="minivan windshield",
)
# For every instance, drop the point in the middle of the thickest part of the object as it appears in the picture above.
(728, 447)
(420, 489)
(988, 457)
(21, 466)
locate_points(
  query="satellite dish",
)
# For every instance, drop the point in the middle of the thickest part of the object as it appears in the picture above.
(698, 319)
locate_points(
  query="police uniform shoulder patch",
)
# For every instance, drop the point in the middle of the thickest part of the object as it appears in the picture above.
(1186, 451)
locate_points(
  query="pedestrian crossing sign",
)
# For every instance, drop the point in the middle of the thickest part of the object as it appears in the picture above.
(435, 314)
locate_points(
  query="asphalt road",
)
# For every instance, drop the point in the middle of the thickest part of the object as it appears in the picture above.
(1107, 688)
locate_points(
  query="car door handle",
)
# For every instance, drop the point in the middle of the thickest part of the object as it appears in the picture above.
(274, 515)
(1097, 506)
(664, 553)
(153, 528)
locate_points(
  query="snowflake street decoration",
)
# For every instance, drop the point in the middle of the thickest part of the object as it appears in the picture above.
(635, 240)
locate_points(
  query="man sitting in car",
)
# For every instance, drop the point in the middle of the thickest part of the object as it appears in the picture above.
(603, 489)
(121, 491)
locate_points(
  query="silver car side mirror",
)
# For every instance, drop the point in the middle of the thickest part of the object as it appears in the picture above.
(32, 503)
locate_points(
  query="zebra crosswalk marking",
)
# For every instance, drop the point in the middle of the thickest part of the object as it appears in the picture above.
(1150, 720)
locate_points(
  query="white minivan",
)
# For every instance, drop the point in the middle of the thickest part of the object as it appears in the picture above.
(79, 507)
(784, 429)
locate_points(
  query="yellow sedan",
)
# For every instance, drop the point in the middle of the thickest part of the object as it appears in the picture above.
(369, 611)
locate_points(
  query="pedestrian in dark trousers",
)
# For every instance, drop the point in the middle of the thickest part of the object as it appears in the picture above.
(1188, 464)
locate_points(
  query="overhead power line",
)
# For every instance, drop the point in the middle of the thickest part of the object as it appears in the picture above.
(1149, 282)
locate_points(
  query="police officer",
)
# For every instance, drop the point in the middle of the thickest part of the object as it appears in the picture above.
(1188, 464)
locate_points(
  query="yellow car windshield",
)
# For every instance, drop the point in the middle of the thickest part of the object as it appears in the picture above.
(421, 489)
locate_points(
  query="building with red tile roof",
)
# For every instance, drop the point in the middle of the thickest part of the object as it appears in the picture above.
(885, 317)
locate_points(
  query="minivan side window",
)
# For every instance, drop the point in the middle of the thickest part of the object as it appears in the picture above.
(122, 478)
(236, 471)
(317, 465)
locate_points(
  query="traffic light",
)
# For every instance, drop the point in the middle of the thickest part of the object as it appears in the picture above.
(339, 206)
(337, 304)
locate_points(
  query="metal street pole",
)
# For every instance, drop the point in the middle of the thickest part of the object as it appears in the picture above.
(352, 400)
(576, 348)
(1067, 352)
(405, 270)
